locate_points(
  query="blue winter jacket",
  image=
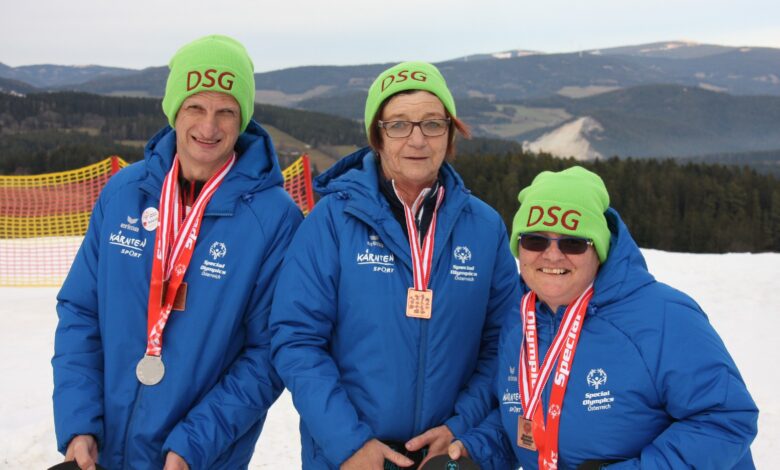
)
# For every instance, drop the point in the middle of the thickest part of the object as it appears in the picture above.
(357, 367)
(219, 381)
(651, 385)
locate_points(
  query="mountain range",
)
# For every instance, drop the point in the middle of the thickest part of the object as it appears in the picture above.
(667, 99)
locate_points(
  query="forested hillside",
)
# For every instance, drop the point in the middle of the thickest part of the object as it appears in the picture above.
(674, 121)
(693, 207)
(123, 118)
(698, 208)
(53, 131)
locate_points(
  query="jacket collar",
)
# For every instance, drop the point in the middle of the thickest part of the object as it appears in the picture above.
(354, 178)
(256, 168)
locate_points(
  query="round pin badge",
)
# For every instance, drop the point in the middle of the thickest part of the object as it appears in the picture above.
(150, 370)
(444, 462)
(149, 218)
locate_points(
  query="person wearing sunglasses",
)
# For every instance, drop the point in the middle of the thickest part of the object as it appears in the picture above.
(605, 366)
(386, 318)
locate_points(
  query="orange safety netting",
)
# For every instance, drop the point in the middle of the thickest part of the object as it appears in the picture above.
(43, 218)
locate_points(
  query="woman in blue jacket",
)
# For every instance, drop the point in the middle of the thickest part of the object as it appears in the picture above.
(605, 365)
(386, 318)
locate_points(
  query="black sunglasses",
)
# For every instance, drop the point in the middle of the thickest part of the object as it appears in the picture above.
(566, 245)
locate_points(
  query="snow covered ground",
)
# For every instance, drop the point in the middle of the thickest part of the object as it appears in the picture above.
(740, 293)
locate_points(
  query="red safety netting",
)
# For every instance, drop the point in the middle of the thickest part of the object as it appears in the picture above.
(43, 218)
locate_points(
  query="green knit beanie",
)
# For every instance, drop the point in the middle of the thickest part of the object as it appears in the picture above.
(212, 63)
(569, 202)
(407, 76)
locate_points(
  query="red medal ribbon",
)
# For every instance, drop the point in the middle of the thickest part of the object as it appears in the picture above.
(533, 378)
(422, 256)
(174, 245)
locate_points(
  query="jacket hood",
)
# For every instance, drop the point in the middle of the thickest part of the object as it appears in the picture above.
(354, 173)
(256, 167)
(625, 270)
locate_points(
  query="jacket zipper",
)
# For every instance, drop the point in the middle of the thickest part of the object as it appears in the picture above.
(128, 433)
(422, 350)
(418, 400)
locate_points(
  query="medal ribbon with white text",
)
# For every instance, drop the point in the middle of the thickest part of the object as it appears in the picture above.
(174, 245)
(422, 257)
(533, 377)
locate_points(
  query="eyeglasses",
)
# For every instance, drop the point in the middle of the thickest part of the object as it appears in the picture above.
(401, 129)
(566, 245)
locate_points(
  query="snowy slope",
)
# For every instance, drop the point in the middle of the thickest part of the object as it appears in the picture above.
(569, 140)
(738, 291)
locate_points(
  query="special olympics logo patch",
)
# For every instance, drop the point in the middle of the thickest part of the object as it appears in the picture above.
(596, 378)
(217, 250)
(462, 254)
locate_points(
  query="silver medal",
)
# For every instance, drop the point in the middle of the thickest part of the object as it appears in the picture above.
(150, 370)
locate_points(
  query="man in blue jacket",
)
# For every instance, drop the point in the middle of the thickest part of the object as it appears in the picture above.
(183, 247)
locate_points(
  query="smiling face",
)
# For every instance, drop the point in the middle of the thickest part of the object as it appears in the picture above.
(414, 161)
(557, 279)
(207, 128)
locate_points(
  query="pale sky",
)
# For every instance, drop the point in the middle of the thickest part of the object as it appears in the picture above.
(289, 33)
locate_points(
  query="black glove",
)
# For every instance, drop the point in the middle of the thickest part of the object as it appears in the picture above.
(71, 465)
(417, 456)
(443, 462)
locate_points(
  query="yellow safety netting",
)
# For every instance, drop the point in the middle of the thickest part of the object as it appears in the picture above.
(43, 218)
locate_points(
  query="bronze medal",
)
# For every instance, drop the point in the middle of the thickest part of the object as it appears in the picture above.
(181, 297)
(419, 303)
(525, 434)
